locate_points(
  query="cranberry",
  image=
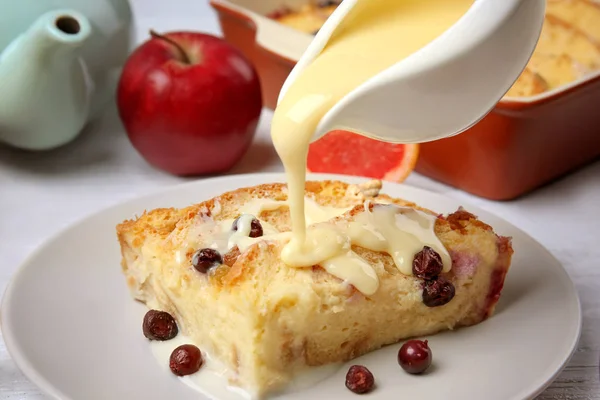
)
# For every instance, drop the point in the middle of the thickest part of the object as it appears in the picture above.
(414, 356)
(185, 360)
(427, 264)
(159, 325)
(359, 379)
(205, 259)
(437, 293)
(256, 229)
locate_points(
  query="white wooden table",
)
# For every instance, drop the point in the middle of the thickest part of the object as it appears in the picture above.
(42, 193)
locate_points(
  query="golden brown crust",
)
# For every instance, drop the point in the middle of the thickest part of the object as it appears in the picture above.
(309, 18)
(162, 222)
(568, 48)
(529, 83)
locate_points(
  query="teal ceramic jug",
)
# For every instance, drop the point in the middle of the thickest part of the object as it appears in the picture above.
(59, 64)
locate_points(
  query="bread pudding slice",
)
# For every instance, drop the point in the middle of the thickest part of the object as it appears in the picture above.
(266, 320)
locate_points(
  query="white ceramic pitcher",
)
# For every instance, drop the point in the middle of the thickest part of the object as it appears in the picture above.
(445, 87)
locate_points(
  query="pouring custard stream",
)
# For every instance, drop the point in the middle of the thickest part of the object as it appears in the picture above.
(374, 36)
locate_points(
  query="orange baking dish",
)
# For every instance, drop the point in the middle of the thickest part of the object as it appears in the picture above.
(521, 144)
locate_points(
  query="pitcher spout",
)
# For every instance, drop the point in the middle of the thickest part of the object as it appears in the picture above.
(44, 99)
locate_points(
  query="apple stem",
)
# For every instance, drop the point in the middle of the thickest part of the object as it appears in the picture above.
(183, 55)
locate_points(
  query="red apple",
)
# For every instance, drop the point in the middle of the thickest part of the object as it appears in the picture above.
(190, 102)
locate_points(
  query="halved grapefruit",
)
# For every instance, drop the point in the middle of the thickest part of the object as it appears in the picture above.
(347, 153)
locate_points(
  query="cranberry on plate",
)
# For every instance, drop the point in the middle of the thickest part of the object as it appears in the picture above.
(185, 360)
(359, 379)
(159, 325)
(415, 356)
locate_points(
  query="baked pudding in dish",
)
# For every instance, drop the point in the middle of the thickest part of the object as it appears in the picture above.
(568, 49)
(217, 268)
(309, 18)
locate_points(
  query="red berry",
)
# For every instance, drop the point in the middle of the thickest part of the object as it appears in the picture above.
(206, 259)
(256, 229)
(159, 325)
(415, 356)
(359, 379)
(185, 360)
(438, 292)
(427, 264)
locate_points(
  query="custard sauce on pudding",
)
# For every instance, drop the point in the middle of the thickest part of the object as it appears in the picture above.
(376, 35)
(399, 231)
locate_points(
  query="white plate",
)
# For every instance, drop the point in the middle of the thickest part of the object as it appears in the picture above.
(73, 329)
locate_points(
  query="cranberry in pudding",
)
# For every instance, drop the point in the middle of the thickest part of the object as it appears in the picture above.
(427, 264)
(437, 293)
(415, 356)
(206, 259)
(256, 229)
